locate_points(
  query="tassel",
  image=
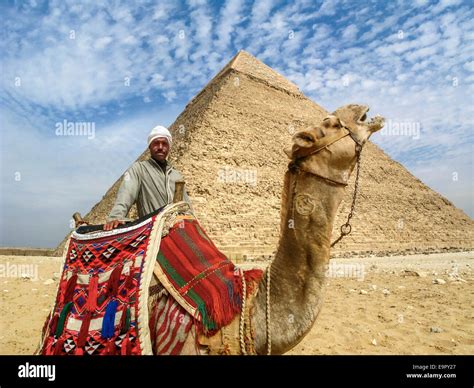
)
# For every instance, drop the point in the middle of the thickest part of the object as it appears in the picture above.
(91, 304)
(114, 280)
(79, 351)
(48, 351)
(252, 278)
(110, 348)
(125, 321)
(71, 285)
(59, 347)
(108, 323)
(62, 288)
(62, 319)
(54, 323)
(84, 331)
(126, 348)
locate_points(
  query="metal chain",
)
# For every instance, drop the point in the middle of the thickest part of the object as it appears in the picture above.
(346, 228)
(269, 333)
(242, 314)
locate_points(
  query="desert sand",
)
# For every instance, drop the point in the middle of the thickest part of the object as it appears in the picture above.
(416, 304)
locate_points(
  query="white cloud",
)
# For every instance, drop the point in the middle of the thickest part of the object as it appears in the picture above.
(84, 69)
(101, 43)
(421, 3)
(230, 17)
(443, 4)
(350, 32)
(379, 27)
(422, 53)
(202, 22)
(469, 66)
(260, 11)
(328, 8)
(170, 95)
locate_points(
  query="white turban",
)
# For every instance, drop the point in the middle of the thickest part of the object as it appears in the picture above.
(159, 131)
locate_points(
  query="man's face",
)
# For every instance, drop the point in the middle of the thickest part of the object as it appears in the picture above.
(159, 149)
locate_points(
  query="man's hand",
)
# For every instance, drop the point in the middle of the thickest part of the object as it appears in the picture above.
(113, 224)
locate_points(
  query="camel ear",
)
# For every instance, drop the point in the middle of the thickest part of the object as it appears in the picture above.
(302, 139)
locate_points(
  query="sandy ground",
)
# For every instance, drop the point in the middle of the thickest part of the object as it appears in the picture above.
(372, 305)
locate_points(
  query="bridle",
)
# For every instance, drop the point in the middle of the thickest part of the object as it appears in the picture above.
(295, 168)
(322, 144)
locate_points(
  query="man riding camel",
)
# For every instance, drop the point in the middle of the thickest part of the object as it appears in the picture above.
(149, 183)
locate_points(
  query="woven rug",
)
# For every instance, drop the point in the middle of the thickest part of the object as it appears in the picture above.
(101, 303)
(198, 276)
(101, 307)
(170, 324)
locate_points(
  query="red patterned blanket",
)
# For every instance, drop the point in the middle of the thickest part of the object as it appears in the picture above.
(101, 306)
(205, 282)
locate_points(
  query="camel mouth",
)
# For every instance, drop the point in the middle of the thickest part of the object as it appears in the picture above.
(363, 115)
(374, 124)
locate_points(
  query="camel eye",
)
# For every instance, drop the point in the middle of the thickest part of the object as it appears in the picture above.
(364, 117)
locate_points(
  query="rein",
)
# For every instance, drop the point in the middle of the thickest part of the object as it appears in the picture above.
(345, 229)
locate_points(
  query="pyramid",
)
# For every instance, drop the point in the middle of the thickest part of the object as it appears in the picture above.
(228, 144)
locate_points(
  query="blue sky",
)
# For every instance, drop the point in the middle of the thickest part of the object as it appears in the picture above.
(128, 66)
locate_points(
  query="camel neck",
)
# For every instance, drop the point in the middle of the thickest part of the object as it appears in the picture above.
(307, 218)
(309, 208)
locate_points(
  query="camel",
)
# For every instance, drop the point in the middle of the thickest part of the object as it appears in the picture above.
(290, 295)
(288, 299)
(322, 160)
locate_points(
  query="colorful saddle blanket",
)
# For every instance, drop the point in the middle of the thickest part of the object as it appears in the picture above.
(101, 305)
(199, 276)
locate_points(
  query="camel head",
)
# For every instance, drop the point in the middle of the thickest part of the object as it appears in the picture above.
(354, 117)
(329, 149)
